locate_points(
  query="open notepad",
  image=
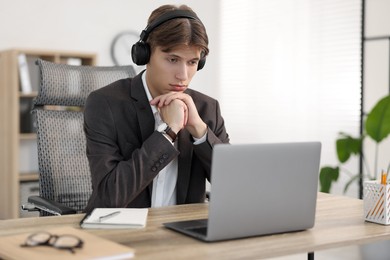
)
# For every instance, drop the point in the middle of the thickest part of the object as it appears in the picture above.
(115, 218)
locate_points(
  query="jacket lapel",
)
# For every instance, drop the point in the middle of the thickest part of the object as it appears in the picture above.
(142, 106)
(143, 110)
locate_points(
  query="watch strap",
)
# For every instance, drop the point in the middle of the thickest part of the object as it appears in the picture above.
(170, 133)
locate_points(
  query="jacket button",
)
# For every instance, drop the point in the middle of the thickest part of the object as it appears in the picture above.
(161, 160)
(154, 169)
(165, 156)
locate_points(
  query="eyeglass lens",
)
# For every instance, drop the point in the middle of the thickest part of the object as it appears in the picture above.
(66, 241)
(38, 239)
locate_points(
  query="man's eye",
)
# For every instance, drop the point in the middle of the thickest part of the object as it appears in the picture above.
(172, 60)
(193, 62)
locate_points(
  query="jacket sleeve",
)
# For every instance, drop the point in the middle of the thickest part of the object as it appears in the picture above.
(216, 134)
(117, 180)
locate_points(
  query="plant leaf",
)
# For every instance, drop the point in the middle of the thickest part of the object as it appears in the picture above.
(378, 120)
(346, 146)
(327, 176)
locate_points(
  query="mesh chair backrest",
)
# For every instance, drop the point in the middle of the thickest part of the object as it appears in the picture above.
(64, 174)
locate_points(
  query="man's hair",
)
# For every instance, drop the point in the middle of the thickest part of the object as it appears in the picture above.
(177, 31)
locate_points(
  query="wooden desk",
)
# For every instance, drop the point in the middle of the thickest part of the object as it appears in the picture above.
(339, 222)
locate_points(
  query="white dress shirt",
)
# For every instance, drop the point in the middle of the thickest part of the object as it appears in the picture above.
(164, 184)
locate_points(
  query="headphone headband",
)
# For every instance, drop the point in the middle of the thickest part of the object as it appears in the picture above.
(165, 18)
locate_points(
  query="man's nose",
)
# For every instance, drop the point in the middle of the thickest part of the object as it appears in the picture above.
(182, 72)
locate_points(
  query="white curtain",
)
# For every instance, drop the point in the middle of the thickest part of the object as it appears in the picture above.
(290, 71)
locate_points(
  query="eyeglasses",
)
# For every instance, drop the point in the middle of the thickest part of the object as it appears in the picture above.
(67, 242)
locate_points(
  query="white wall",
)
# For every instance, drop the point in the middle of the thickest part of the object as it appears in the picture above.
(377, 18)
(91, 25)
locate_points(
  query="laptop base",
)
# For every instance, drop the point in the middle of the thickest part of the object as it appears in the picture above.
(194, 228)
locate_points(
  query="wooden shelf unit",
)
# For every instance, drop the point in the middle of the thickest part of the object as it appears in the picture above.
(10, 135)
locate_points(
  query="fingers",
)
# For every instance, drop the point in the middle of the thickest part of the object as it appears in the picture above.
(162, 100)
(171, 100)
(166, 99)
(185, 116)
(175, 114)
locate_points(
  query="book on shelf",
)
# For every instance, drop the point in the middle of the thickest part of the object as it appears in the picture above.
(27, 122)
(35, 76)
(114, 218)
(24, 74)
(93, 247)
(74, 61)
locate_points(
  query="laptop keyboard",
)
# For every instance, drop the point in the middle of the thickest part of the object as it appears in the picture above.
(198, 230)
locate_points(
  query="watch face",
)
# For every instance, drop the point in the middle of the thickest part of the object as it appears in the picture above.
(162, 127)
(121, 49)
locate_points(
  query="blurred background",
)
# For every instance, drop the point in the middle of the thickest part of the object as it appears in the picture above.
(283, 70)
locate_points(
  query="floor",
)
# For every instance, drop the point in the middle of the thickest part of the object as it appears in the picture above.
(347, 253)
(377, 251)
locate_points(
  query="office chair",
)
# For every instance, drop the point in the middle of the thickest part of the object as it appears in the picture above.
(64, 175)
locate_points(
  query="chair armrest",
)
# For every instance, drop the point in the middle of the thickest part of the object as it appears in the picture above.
(49, 206)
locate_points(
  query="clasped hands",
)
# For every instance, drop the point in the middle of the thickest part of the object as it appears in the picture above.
(178, 110)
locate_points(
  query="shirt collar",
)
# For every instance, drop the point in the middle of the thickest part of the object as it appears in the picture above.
(154, 109)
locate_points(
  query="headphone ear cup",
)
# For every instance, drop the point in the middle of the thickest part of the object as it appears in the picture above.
(201, 63)
(140, 53)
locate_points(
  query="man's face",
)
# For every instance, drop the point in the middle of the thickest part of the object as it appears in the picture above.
(173, 70)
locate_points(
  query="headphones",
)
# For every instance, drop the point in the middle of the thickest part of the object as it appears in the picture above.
(140, 52)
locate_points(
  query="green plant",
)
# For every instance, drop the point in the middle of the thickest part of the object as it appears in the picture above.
(376, 127)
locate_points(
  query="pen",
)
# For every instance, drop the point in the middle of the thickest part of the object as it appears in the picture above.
(384, 177)
(108, 216)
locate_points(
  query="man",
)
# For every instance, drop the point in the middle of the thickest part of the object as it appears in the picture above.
(150, 138)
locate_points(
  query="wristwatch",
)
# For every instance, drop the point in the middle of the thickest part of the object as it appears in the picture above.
(164, 128)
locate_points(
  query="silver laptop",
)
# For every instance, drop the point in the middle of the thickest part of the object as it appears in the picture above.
(258, 189)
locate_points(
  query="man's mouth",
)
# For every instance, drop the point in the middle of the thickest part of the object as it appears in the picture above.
(178, 87)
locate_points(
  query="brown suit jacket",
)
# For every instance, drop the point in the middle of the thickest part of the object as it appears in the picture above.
(125, 153)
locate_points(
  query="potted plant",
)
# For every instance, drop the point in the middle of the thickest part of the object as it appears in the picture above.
(377, 128)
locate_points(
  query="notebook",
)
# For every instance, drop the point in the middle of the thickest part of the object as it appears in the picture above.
(258, 189)
(112, 218)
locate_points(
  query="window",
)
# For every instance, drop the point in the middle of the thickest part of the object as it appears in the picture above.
(291, 71)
